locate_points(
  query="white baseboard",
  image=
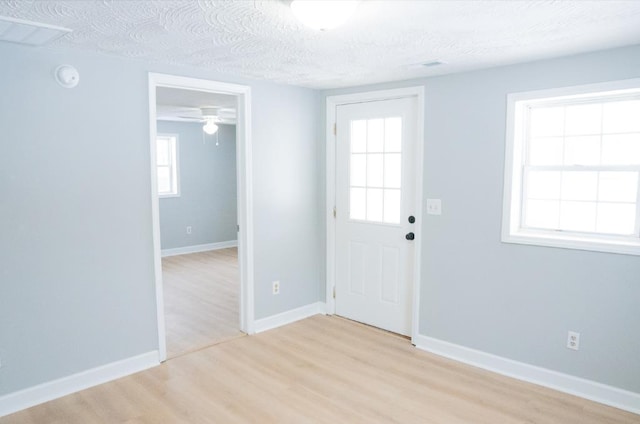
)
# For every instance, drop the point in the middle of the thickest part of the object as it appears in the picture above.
(288, 317)
(199, 248)
(26, 398)
(598, 392)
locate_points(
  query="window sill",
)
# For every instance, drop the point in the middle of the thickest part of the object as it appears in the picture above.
(573, 242)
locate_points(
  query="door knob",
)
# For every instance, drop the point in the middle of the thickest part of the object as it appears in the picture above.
(410, 236)
(412, 219)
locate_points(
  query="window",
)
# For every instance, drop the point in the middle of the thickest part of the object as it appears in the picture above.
(573, 168)
(167, 165)
(376, 170)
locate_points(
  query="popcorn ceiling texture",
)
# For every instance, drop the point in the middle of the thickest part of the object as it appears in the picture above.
(263, 40)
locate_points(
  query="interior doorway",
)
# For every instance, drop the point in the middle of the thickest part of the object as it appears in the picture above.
(201, 211)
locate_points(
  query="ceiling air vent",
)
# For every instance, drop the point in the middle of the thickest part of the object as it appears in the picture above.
(31, 33)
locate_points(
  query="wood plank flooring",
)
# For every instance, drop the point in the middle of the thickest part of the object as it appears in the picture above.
(201, 294)
(319, 370)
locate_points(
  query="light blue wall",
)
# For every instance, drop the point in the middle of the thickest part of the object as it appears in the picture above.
(76, 255)
(511, 300)
(208, 198)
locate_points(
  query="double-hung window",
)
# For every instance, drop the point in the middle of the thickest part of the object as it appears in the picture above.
(167, 165)
(572, 174)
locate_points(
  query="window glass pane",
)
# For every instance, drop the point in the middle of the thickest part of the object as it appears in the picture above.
(618, 187)
(359, 169)
(583, 119)
(359, 136)
(392, 206)
(577, 185)
(546, 151)
(547, 121)
(162, 151)
(578, 216)
(358, 204)
(375, 135)
(392, 170)
(374, 169)
(582, 150)
(616, 218)
(621, 117)
(542, 214)
(393, 134)
(544, 185)
(621, 149)
(374, 204)
(164, 180)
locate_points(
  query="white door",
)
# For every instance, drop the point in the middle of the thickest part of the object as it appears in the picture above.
(374, 202)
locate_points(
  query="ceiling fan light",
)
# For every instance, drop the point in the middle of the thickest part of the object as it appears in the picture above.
(323, 14)
(210, 127)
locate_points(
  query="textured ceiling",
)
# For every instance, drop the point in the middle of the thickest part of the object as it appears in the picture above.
(262, 39)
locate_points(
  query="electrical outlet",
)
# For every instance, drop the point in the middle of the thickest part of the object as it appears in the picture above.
(573, 340)
(189, 229)
(276, 287)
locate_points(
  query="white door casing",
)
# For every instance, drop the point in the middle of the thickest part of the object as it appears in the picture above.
(375, 193)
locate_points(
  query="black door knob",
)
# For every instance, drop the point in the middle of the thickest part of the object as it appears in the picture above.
(412, 219)
(410, 236)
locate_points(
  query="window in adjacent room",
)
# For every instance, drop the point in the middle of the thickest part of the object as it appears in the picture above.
(167, 165)
(573, 167)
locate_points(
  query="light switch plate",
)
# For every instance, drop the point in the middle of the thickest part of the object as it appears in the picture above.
(434, 207)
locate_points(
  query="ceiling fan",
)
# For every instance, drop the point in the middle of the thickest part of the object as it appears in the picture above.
(211, 116)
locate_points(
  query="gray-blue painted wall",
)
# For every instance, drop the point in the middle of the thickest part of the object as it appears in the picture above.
(76, 255)
(516, 301)
(208, 196)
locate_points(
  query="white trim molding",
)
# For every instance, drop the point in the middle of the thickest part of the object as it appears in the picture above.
(288, 317)
(32, 396)
(587, 389)
(244, 194)
(331, 116)
(199, 248)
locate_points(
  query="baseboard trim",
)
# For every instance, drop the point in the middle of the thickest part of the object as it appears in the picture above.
(597, 392)
(32, 396)
(290, 316)
(199, 248)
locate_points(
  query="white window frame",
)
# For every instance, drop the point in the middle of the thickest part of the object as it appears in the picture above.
(174, 164)
(513, 230)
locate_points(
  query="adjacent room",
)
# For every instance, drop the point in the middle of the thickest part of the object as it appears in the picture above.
(320, 211)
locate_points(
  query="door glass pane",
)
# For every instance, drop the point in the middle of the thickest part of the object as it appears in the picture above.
(583, 119)
(621, 117)
(375, 170)
(542, 214)
(375, 135)
(544, 185)
(359, 169)
(393, 134)
(392, 206)
(359, 136)
(618, 186)
(162, 151)
(374, 204)
(392, 170)
(358, 204)
(579, 185)
(546, 151)
(616, 218)
(578, 216)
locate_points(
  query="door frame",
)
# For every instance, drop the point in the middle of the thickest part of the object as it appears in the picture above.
(331, 138)
(244, 194)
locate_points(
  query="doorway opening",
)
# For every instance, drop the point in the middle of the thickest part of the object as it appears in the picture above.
(201, 211)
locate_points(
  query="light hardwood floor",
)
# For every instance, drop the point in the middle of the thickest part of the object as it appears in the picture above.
(201, 295)
(319, 370)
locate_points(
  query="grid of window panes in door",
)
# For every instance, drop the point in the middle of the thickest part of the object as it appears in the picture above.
(376, 170)
(582, 166)
(166, 150)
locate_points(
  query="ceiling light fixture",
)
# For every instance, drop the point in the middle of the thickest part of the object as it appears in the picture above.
(210, 127)
(323, 14)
